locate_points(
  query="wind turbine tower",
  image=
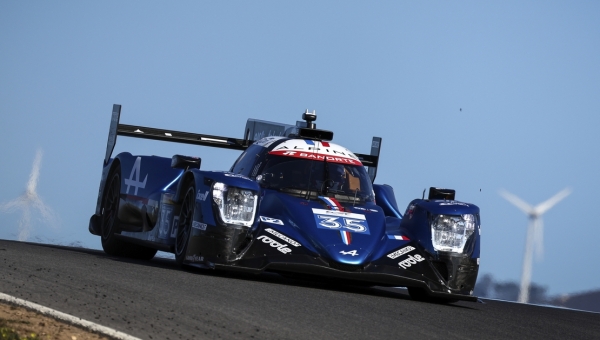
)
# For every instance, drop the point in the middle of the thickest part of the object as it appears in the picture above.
(535, 234)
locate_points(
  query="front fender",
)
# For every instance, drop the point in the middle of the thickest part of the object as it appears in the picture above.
(203, 181)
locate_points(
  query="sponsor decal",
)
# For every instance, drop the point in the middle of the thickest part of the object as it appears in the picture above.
(375, 144)
(267, 141)
(320, 151)
(365, 209)
(345, 222)
(332, 219)
(201, 196)
(452, 203)
(478, 261)
(398, 237)
(131, 182)
(282, 247)
(255, 169)
(410, 260)
(166, 216)
(194, 258)
(235, 175)
(275, 130)
(351, 252)
(401, 252)
(175, 226)
(271, 220)
(198, 225)
(283, 237)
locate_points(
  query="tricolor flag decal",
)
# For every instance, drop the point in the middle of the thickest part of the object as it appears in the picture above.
(332, 203)
(398, 237)
(346, 237)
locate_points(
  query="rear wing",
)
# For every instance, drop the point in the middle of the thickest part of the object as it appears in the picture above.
(255, 130)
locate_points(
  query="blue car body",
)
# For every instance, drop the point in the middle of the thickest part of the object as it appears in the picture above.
(280, 208)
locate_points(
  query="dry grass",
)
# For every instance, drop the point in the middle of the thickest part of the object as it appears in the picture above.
(17, 323)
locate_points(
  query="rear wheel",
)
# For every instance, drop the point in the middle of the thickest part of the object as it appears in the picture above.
(110, 222)
(186, 218)
(110, 210)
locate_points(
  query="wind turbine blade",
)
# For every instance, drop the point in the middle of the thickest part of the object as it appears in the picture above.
(519, 203)
(47, 215)
(545, 206)
(13, 205)
(539, 239)
(35, 173)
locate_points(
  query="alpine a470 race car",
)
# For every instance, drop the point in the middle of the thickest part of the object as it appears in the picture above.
(293, 203)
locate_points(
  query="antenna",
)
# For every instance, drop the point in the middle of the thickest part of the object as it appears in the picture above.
(30, 200)
(535, 233)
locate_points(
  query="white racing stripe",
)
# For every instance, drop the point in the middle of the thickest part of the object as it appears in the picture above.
(94, 327)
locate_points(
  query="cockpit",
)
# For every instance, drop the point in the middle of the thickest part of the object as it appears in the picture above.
(310, 178)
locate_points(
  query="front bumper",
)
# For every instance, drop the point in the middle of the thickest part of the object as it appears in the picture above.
(375, 274)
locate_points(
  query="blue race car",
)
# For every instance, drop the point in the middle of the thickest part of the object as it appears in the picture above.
(293, 203)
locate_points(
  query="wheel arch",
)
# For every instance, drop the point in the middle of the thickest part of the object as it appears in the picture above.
(192, 175)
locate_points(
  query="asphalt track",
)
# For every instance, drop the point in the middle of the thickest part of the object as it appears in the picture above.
(156, 300)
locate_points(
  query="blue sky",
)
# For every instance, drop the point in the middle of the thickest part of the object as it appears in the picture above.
(525, 74)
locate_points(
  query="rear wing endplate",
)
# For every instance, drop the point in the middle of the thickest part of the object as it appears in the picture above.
(255, 130)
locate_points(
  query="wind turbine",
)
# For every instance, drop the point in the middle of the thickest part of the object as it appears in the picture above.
(30, 200)
(535, 233)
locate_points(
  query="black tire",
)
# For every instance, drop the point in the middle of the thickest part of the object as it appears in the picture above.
(419, 294)
(109, 221)
(186, 218)
(140, 252)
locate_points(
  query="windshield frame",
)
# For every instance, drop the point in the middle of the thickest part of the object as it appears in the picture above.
(313, 178)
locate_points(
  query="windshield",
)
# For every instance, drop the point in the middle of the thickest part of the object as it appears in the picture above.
(312, 178)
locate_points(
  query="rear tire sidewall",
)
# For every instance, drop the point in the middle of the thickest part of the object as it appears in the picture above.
(110, 211)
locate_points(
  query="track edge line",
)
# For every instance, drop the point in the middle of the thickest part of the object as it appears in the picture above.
(91, 326)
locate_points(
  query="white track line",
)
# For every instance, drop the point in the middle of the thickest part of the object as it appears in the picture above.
(94, 327)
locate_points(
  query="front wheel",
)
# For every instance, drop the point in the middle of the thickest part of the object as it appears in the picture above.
(186, 218)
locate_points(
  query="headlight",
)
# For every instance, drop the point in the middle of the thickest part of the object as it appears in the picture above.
(450, 233)
(236, 206)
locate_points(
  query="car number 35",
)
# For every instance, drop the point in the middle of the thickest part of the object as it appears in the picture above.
(331, 222)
